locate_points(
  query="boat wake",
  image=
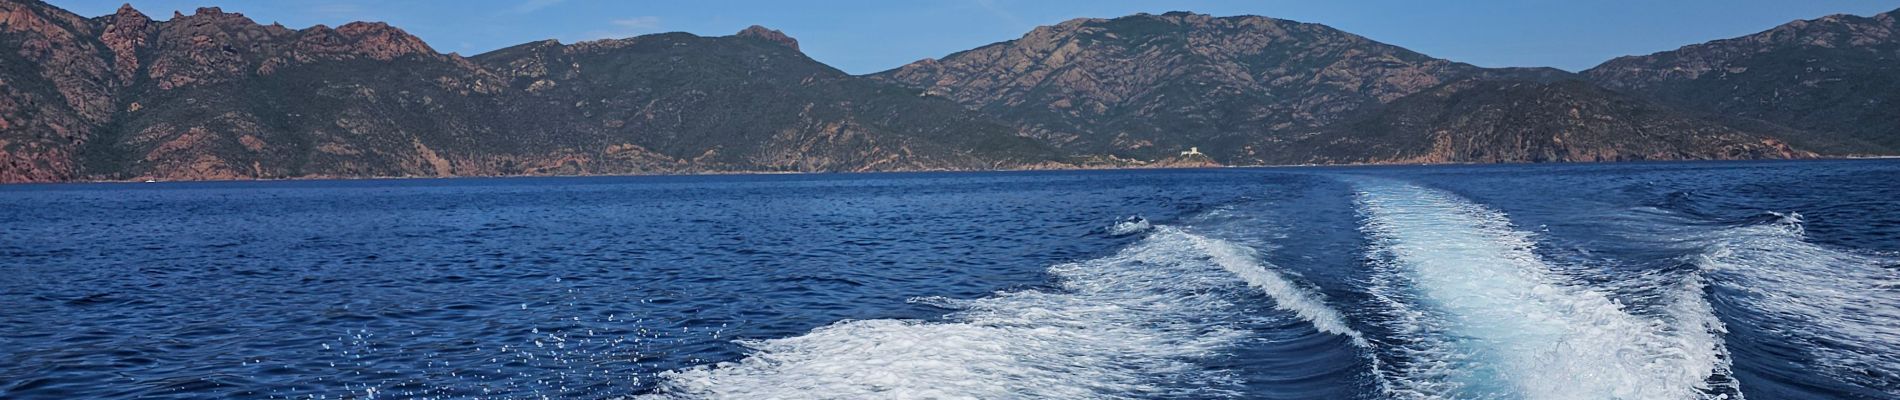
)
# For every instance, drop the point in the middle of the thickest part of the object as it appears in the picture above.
(1475, 312)
(1138, 323)
(1840, 307)
(1130, 226)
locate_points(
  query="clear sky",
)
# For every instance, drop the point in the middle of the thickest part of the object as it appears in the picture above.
(864, 36)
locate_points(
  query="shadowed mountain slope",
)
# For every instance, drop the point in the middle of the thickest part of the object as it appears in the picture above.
(1836, 77)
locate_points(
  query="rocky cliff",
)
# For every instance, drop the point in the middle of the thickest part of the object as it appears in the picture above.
(214, 95)
(56, 86)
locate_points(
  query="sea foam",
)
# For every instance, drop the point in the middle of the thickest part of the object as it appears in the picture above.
(1839, 305)
(1287, 295)
(1476, 313)
(1133, 324)
(1130, 226)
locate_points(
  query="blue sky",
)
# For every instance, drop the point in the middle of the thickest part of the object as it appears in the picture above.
(864, 36)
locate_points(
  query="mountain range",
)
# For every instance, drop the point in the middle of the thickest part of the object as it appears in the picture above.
(216, 95)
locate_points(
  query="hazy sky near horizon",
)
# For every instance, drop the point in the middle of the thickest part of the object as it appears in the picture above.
(865, 36)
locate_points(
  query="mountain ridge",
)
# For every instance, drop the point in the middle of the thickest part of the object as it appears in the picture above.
(215, 95)
(1134, 72)
(1492, 121)
(1849, 105)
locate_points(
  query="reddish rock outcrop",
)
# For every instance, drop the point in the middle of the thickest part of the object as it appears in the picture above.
(773, 35)
(60, 89)
(209, 47)
(126, 33)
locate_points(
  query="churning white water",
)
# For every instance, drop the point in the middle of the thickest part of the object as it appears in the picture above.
(1133, 324)
(1841, 306)
(1478, 314)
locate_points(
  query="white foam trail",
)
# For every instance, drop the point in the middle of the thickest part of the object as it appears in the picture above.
(1287, 296)
(1133, 324)
(1478, 314)
(1841, 306)
(1696, 324)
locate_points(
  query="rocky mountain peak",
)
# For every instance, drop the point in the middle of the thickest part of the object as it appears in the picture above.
(1718, 57)
(29, 16)
(380, 41)
(1827, 76)
(126, 31)
(774, 35)
(1144, 84)
(211, 16)
(126, 10)
(212, 46)
(1839, 30)
(1184, 17)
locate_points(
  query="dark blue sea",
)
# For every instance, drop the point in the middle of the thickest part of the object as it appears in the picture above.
(1761, 280)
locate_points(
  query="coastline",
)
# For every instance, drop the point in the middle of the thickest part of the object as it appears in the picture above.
(1033, 168)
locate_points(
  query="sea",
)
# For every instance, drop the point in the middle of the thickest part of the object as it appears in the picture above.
(1700, 280)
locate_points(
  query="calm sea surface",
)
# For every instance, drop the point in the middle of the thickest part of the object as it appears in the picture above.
(1660, 280)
